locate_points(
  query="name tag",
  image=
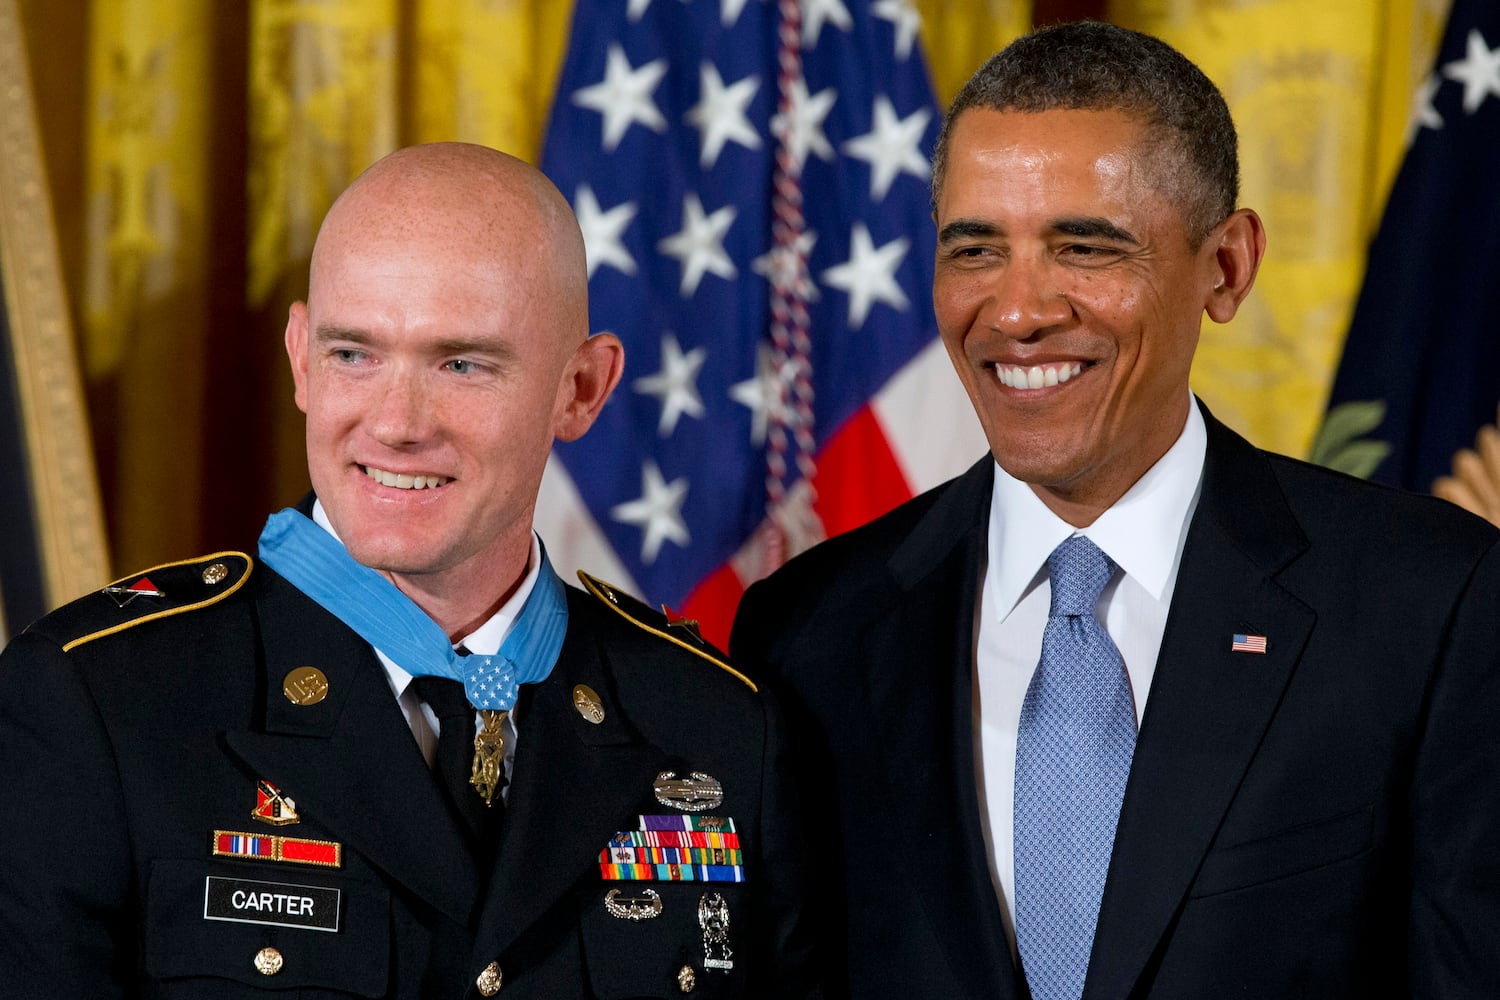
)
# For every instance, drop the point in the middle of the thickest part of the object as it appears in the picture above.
(282, 904)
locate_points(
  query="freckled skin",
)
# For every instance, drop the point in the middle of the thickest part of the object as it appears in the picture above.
(445, 334)
(1058, 244)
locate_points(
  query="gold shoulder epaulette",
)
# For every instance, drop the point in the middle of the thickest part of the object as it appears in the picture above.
(160, 592)
(672, 627)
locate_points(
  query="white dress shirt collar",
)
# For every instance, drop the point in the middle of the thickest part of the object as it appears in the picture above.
(1140, 532)
(484, 640)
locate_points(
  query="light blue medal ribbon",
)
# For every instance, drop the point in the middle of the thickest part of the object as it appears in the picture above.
(317, 564)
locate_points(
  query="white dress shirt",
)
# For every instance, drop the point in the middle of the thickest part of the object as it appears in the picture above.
(1143, 533)
(485, 641)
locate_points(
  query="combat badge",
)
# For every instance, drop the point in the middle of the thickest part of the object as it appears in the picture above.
(272, 807)
(695, 793)
(713, 917)
(646, 906)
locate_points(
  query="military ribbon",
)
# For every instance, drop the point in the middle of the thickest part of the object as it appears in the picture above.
(317, 564)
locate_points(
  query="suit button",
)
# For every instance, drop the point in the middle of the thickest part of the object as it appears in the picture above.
(686, 979)
(268, 961)
(489, 980)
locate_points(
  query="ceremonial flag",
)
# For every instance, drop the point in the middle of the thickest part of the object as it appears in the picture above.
(1421, 367)
(751, 178)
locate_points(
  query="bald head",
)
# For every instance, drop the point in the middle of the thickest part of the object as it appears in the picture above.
(443, 347)
(463, 205)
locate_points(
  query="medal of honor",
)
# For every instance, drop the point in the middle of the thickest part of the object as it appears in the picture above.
(489, 755)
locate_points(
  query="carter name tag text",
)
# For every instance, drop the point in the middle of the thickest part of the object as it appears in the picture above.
(253, 902)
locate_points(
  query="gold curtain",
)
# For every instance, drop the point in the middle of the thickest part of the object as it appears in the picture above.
(1320, 94)
(196, 144)
(52, 543)
(192, 153)
(961, 34)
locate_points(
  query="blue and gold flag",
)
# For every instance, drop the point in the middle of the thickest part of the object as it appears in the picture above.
(1421, 367)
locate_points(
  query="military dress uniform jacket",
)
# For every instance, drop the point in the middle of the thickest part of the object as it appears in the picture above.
(133, 745)
(1320, 820)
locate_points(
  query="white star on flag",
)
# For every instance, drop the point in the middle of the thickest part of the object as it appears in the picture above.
(906, 19)
(1478, 71)
(869, 275)
(1424, 114)
(720, 113)
(787, 266)
(637, 8)
(765, 393)
(676, 385)
(623, 97)
(892, 146)
(803, 125)
(602, 231)
(816, 13)
(732, 215)
(699, 244)
(658, 511)
(729, 12)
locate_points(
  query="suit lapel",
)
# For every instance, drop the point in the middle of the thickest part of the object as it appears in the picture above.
(350, 761)
(919, 651)
(1209, 707)
(573, 785)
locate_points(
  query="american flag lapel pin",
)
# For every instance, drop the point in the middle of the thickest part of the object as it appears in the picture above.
(1242, 643)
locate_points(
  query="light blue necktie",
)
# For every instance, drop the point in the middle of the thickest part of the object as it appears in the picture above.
(316, 563)
(1073, 752)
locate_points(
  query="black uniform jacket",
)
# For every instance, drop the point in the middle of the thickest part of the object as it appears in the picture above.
(1321, 820)
(133, 742)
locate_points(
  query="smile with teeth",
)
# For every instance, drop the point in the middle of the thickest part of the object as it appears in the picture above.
(402, 481)
(1036, 376)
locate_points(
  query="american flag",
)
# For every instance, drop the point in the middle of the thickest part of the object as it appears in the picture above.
(751, 177)
(1248, 644)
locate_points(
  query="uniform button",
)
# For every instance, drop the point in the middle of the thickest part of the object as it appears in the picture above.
(215, 573)
(686, 979)
(489, 980)
(268, 961)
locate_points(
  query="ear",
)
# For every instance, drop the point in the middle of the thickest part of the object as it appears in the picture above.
(591, 375)
(1239, 244)
(296, 351)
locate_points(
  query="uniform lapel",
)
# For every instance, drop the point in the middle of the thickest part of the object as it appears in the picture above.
(350, 761)
(573, 783)
(1209, 707)
(919, 651)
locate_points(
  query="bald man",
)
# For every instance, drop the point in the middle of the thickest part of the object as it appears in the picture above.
(394, 755)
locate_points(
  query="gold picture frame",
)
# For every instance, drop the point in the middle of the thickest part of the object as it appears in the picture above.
(65, 539)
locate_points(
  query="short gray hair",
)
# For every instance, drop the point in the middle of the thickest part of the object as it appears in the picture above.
(1091, 66)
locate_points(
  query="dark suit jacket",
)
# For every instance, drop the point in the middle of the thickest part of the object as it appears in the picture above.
(1319, 821)
(121, 755)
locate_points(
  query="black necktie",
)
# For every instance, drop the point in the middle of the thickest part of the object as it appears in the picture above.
(455, 754)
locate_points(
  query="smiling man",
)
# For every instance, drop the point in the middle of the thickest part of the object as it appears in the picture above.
(1133, 709)
(395, 756)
